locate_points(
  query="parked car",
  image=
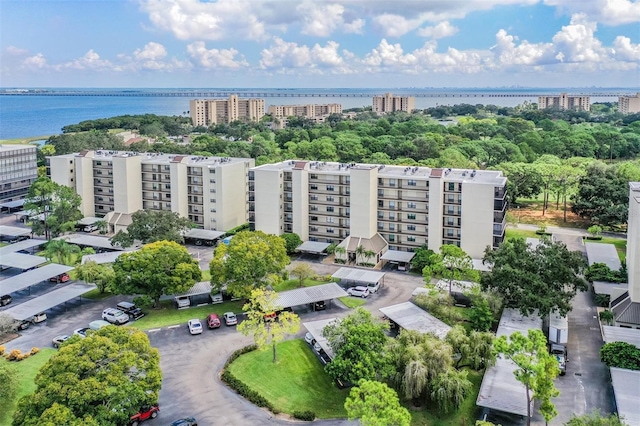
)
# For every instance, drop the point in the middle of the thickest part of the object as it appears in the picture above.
(309, 338)
(213, 321)
(271, 316)
(217, 298)
(373, 287)
(38, 318)
(62, 278)
(82, 332)
(195, 326)
(58, 340)
(145, 413)
(317, 347)
(90, 228)
(560, 352)
(319, 306)
(98, 324)
(358, 291)
(5, 300)
(230, 318)
(115, 316)
(130, 309)
(187, 421)
(183, 302)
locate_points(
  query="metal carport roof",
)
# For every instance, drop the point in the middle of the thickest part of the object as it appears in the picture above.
(89, 220)
(626, 387)
(12, 204)
(29, 278)
(621, 334)
(203, 234)
(21, 245)
(14, 231)
(304, 295)
(601, 287)
(478, 265)
(411, 317)
(312, 247)
(21, 261)
(603, 253)
(315, 328)
(398, 256)
(203, 287)
(49, 300)
(358, 275)
(89, 240)
(99, 258)
(457, 286)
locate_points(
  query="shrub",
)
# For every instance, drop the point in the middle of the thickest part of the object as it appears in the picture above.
(239, 352)
(603, 300)
(23, 356)
(34, 351)
(2, 350)
(620, 354)
(13, 355)
(607, 316)
(601, 272)
(143, 301)
(308, 416)
(246, 391)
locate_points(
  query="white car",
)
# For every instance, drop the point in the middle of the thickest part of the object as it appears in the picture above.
(373, 287)
(309, 338)
(58, 340)
(115, 316)
(358, 291)
(82, 332)
(195, 326)
(230, 318)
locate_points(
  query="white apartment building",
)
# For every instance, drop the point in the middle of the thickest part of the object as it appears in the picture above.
(380, 207)
(306, 111)
(390, 103)
(212, 192)
(564, 101)
(18, 170)
(205, 112)
(629, 104)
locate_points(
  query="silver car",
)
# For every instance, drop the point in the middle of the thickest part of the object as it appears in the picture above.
(358, 291)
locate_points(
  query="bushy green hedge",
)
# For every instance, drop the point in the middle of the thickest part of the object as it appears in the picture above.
(601, 272)
(234, 231)
(239, 352)
(308, 416)
(621, 355)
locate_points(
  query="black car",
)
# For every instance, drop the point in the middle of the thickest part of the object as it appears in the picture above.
(187, 421)
(319, 306)
(5, 300)
(130, 309)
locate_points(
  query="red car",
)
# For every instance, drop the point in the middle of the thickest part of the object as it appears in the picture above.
(213, 321)
(145, 413)
(62, 278)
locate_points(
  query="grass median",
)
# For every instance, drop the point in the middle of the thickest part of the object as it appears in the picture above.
(168, 315)
(297, 382)
(352, 302)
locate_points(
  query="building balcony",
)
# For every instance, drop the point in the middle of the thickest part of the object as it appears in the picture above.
(500, 193)
(499, 217)
(449, 223)
(452, 212)
(498, 229)
(500, 205)
(453, 201)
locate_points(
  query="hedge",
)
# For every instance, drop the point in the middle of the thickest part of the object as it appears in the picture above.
(308, 416)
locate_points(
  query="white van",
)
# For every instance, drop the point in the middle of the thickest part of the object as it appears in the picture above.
(183, 301)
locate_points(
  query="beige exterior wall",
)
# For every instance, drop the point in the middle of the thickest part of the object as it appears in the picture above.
(268, 201)
(179, 201)
(474, 235)
(389, 103)
(85, 186)
(231, 195)
(205, 112)
(61, 170)
(307, 111)
(364, 199)
(436, 209)
(126, 174)
(300, 202)
(564, 101)
(633, 242)
(629, 104)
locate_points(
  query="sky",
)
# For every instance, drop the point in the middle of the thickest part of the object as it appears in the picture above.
(320, 43)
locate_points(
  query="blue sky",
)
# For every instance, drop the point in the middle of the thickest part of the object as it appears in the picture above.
(320, 43)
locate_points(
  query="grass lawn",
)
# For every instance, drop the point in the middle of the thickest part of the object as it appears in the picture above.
(295, 283)
(352, 302)
(621, 245)
(520, 233)
(96, 295)
(27, 370)
(206, 275)
(297, 382)
(169, 315)
(466, 414)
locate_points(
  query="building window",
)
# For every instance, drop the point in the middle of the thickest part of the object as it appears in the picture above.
(330, 198)
(329, 220)
(313, 176)
(412, 183)
(411, 216)
(411, 239)
(314, 197)
(392, 227)
(330, 209)
(392, 216)
(392, 182)
(380, 203)
(380, 215)
(314, 186)
(330, 230)
(330, 188)
(313, 218)
(411, 205)
(411, 227)
(213, 172)
(313, 229)
(380, 225)
(167, 186)
(452, 186)
(380, 192)
(392, 237)
(392, 205)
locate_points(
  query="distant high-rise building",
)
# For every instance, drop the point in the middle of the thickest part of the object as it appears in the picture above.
(629, 104)
(564, 101)
(18, 170)
(205, 112)
(390, 103)
(314, 112)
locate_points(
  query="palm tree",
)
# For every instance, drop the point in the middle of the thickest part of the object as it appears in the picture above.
(103, 226)
(340, 252)
(61, 251)
(360, 250)
(370, 255)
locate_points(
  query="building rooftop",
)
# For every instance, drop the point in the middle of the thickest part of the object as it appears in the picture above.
(603, 253)
(412, 317)
(492, 177)
(16, 147)
(157, 158)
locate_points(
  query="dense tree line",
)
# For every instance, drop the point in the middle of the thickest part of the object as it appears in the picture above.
(171, 125)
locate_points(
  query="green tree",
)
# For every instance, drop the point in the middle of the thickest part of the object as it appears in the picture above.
(7, 323)
(61, 251)
(149, 226)
(358, 343)
(481, 316)
(104, 379)
(595, 231)
(452, 263)
(376, 404)
(473, 350)
(302, 271)
(251, 260)
(422, 258)
(525, 281)
(524, 180)
(9, 380)
(101, 274)
(163, 267)
(602, 197)
(291, 242)
(450, 389)
(596, 418)
(536, 368)
(261, 325)
(621, 355)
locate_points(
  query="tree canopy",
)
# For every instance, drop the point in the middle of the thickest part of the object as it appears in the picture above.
(163, 267)
(149, 226)
(621, 355)
(452, 263)
(544, 279)
(376, 404)
(102, 379)
(252, 259)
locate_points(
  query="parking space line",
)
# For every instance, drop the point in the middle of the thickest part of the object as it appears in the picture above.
(153, 329)
(173, 326)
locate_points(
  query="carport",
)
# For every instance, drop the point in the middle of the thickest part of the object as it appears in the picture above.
(479, 265)
(603, 287)
(400, 258)
(612, 334)
(12, 232)
(48, 300)
(90, 241)
(313, 247)
(625, 389)
(30, 278)
(315, 329)
(12, 205)
(202, 236)
(21, 261)
(85, 221)
(100, 258)
(603, 253)
(411, 317)
(359, 276)
(198, 290)
(306, 295)
(21, 245)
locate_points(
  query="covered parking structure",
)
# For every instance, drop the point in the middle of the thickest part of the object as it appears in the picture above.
(612, 334)
(315, 329)
(90, 241)
(313, 247)
(21, 261)
(100, 258)
(612, 289)
(308, 295)
(201, 237)
(8, 233)
(30, 278)
(359, 276)
(603, 253)
(10, 206)
(48, 300)
(412, 317)
(625, 390)
(500, 390)
(400, 258)
(21, 245)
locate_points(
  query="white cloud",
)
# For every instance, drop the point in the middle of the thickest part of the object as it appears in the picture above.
(285, 54)
(215, 58)
(608, 12)
(16, 51)
(625, 50)
(507, 53)
(151, 52)
(90, 61)
(321, 20)
(442, 30)
(327, 55)
(36, 61)
(392, 25)
(576, 42)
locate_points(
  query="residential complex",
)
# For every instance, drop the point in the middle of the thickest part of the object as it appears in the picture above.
(18, 170)
(306, 111)
(379, 207)
(205, 112)
(564, 101)
(389, 103)
(210, 191)
(629, 104)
